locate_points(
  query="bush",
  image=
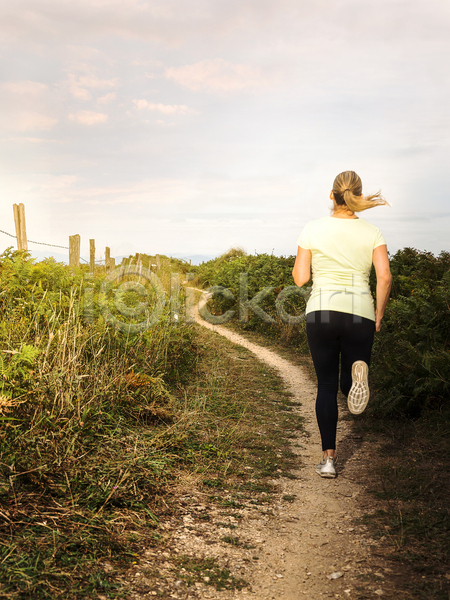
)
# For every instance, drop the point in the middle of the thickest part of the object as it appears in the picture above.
(411, 358)
(410, 370)
(87, 413)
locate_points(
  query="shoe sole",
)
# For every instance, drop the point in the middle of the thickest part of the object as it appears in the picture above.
(358, 396)
(328, 475)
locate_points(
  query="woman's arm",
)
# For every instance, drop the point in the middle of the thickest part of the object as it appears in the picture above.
(302, 267)
(380, 261)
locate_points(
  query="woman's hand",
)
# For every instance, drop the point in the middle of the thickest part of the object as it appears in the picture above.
(377, 324)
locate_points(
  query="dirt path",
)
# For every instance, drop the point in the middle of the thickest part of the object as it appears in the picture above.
(310, 548)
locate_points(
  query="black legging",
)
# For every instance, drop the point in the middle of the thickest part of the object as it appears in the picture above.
(330, 334)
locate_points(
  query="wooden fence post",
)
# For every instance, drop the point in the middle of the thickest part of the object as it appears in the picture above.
(74, 250)
(21, 230)
(158, 262)
(88, 299)
(123, 267)
(91, 256)
(107, 259)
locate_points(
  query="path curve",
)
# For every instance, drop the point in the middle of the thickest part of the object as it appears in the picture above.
(311, 548)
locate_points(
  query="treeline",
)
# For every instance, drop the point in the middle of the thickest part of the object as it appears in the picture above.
(411, 359)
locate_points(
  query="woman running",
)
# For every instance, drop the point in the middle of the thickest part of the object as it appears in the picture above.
(340, 316)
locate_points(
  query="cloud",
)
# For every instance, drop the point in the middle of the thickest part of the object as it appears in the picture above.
(91, 81)
(79, 92)
(22, 88)
(74, 22)
(107, 98)
(25, 106)
(26, 120)
(147, 63)
(88, 117)
(252, 22)
(167, 109)
(78, 84)
(217, 75)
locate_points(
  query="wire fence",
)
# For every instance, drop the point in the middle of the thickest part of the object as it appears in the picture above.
(73, 247)
(33, 242)
(46, 244)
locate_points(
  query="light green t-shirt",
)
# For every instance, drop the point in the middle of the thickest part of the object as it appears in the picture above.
(341, 260)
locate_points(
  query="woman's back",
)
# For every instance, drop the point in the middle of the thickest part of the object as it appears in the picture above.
(341, 259)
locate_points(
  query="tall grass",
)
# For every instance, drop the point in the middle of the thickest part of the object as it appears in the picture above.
(88, 416)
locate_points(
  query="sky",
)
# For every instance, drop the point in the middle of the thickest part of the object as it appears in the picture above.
(187, 128)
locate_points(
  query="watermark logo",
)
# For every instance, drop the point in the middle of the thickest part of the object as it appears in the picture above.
(141, 312)
(145, 314)
(245, 304)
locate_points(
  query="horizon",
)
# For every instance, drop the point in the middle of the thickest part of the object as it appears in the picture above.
(196, 259)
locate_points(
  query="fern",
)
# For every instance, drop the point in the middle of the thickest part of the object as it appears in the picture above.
(27, 356)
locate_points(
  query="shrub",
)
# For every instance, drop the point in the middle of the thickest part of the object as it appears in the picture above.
(55, 362)
(411, 358)
(410, 369)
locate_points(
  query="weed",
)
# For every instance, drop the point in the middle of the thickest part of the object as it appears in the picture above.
(414, 516)
(234, 541)
(228, 525)
(289, 497)
(208, 572)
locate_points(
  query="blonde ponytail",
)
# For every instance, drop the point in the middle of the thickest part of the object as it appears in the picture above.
(347, 190)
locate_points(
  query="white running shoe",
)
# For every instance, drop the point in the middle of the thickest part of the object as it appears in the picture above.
(358, 396)
(326, 467)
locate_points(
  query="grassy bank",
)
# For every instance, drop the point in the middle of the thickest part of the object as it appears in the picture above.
(102, 430)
